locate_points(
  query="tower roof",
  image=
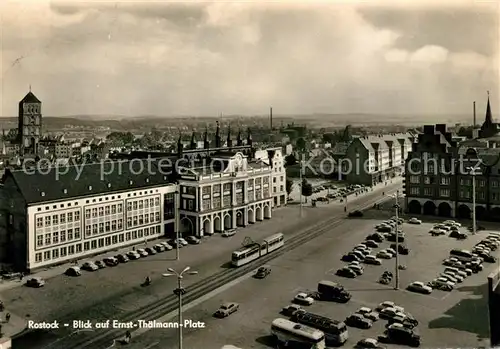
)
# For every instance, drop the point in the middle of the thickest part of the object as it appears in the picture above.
(30, 98)
(488, 119)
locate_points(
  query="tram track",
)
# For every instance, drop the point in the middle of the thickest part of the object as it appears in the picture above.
(200, 288)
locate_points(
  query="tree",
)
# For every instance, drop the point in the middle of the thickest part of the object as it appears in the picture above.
(290, 160)
(301, 143)
(306, 188)
(289, 186)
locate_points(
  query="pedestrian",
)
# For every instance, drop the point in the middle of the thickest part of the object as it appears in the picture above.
(21, 275)
(2, 307)
(7, 317)
(75, 261)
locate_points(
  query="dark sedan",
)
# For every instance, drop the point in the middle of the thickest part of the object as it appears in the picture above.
(358, 321)
(346, 272)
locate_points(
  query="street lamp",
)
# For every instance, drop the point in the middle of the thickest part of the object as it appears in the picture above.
(396, 269)
(472, 170)
(301, 183)
(177, 223)
(179, 291)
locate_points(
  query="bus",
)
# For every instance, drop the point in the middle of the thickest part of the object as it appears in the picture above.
(295, 335)
(336, 333)
(256, 250)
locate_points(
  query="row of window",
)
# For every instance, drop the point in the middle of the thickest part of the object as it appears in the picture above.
(103, 211)
(282, 188)
(57, 219)
(445, 193)
(58, 237)
(447, 181)
(104, 227)
(281, 179)
(142, 219)
(65, 251)
(141, 204)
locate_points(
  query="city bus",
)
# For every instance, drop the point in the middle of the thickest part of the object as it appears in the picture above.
(256, 250)
(295, 335)
(335, 331)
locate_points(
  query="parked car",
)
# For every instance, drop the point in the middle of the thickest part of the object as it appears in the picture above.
(384, 229)
(133, 255)
(100, 264)
(398, 334)
(262, 272)
(368, 313)
(150, 251)
(159, 248)
(377, 237)
(303, 298)
(291, 309)
(414, 221)
(229, 233)
(142, 252)
(351, 257)
(371, 243)
(369, 343)
(176, 244)
(167, 246)
(183, 241)
(359, 321)
(419, 287)
(355, 214)
(371, 259)
(384, 255)
(403, 249)
(346, 272)
(193, 240)
(35, 282)
(226, 309)
(356, 267)
(73, 271)
(90, 266)
(110, 261)
(390, 312)
(441, 284)
(122, 258)
(457, 235)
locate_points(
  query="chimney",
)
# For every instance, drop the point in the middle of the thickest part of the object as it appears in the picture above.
(271, 117)
(474, 114)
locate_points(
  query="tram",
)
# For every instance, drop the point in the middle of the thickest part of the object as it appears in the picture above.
(256, 250)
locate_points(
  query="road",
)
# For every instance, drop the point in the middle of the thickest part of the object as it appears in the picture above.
(112, 292)
(456, 319)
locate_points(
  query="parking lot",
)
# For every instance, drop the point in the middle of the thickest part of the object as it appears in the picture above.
(447, 319)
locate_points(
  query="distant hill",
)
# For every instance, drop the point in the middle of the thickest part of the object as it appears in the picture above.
(118, 122)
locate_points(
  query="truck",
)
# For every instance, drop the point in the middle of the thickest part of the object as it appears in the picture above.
(333, 291)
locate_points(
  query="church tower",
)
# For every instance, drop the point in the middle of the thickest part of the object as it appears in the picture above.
(29, 124)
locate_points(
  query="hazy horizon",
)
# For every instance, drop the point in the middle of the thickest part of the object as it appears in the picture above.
(163, 60)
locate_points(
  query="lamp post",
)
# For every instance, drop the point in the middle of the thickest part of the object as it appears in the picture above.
(179, 291)
(177, 223)
(301, 183)
(472, 170)
(396, 269)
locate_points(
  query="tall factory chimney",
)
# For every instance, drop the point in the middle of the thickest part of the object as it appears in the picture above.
(474, 113)
(271, 117)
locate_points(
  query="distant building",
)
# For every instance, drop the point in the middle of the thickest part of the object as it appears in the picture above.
(438, 179)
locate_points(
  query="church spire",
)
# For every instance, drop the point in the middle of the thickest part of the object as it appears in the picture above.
(206, 142)
(229, 140)
(194, 143)
(488, 119)
(180, 146)
(239, 140)
(217, 136)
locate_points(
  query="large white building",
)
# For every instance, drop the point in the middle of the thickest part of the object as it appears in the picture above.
(214, 199)
(56, 215)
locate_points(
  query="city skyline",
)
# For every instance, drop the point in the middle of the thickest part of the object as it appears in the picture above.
(136, 59)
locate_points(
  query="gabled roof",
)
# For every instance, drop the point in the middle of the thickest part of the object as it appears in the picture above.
(72, 181)
(30, 98)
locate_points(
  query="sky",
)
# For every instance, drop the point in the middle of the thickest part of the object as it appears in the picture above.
(201, 59)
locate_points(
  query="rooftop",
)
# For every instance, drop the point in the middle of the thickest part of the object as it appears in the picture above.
(73, 181)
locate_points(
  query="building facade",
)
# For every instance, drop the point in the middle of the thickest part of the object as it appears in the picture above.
(52, 217)
(274, 157)
(439, 177)
(370, 160)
